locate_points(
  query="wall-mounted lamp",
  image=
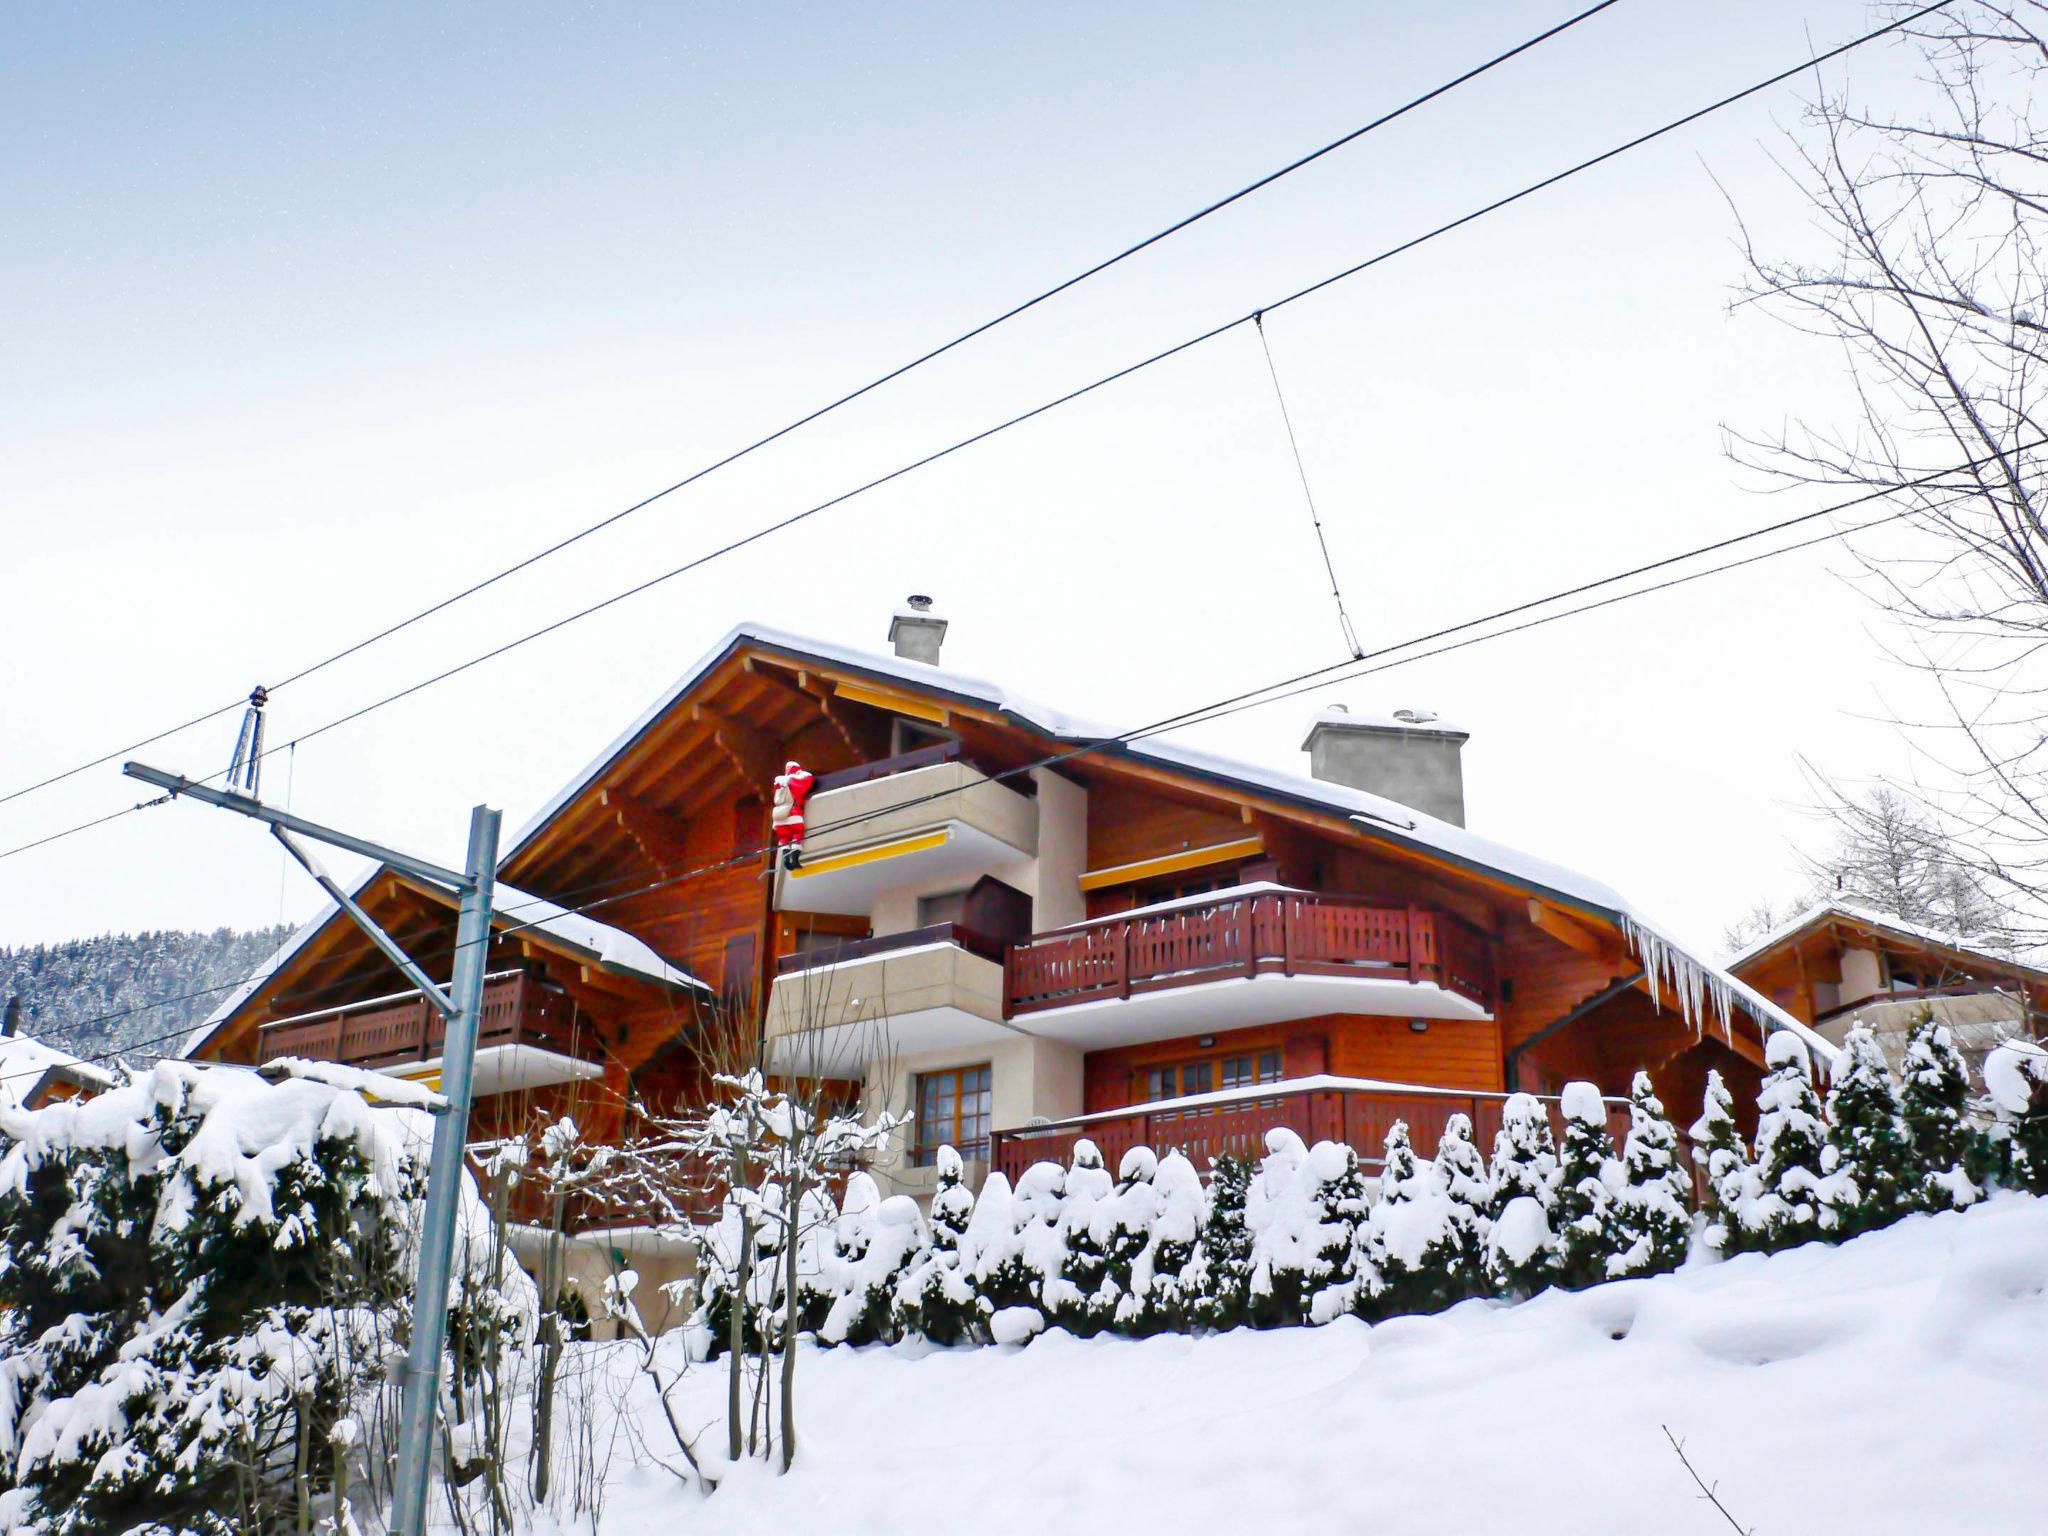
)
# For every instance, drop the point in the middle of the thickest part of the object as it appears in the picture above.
(1418, 1025)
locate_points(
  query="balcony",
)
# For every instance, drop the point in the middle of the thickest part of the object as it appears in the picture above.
(835, 1008)
(1356, 1112)
(926, 817)
(527, 1036)
(1252, 958)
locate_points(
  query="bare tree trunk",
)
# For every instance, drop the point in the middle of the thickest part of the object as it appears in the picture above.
(792, 1230)
(550, 1344)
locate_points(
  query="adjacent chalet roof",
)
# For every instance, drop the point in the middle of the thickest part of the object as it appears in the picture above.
(1881, 924)
(1671, 967)
(29, 1069)
(591, 941)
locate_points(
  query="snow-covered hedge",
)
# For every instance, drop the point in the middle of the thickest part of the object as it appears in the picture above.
(1302, 1235)
(205, 1279)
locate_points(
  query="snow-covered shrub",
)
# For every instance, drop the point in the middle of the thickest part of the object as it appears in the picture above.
(1589, 1186)
(1934, 1101)
(1652, 1215)
(1304, 1210)
(1015, 1237)
(1867, 1168)
(1163, 1289)
(1524, 1174)
(1524, 1156)
(717, 1246)
(937, 1299)
(867, 1261)
(1078, 1294)
(2016, 1077)
(200, 1273)
(1719, 1152)
(1782, 1208)
(1423, 1246)
(1220, 1275)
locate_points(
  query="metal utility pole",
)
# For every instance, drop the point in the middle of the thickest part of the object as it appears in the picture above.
(461, 1006)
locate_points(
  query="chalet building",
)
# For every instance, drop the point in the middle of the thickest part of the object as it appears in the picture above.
(33, 1074)
(1838, 965)
(1016, 929)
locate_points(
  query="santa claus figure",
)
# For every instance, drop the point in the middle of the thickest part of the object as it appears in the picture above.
(792, 789)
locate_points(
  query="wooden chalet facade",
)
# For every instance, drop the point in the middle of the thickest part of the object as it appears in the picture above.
(1837, 965)
(1016, 931)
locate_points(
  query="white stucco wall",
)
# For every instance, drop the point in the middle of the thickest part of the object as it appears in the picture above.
(1028, 1077)
(1862, 975)
(1062, 852)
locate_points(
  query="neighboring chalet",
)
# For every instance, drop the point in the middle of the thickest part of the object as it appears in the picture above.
(33, 1074)
(1018, 929)
(1837, 965)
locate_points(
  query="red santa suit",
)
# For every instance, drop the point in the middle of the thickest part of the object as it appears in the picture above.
(792, 789)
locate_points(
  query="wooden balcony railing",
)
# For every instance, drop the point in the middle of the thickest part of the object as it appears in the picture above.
(517, 1010)
(1358, 1117)
(1275, 932)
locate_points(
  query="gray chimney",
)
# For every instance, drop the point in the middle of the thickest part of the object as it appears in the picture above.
(1409, 756)
(916, 632)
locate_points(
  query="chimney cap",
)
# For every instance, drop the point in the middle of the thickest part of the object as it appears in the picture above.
(915, 632)
(1402, 722)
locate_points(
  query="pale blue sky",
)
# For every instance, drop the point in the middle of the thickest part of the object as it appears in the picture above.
(309, 315)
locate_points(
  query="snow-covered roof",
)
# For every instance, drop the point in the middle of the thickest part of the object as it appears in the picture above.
(610, 947)
(26, 1064)
(1671, 965)
(1869, 917)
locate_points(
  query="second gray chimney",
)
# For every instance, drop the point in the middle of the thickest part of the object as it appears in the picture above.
(1409, 756)
(916, 632)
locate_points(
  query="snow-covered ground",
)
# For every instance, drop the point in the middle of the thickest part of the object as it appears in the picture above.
(1896, 1384)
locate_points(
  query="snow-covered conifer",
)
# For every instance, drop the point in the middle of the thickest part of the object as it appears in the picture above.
(937, 1298)
(1652, 1214)
(1019, 1247)
(1524, 1174)
(1724, 1161)
(201, 1275)
(1304, 1209)
(1163, 1288)
(1079, 1295)
(1524, 1155)
(1221, 1271)
(1590, 1181)
(2016, 1077)
(1867, 1165)
(1934, 1101)
(867, 1264)
(1424, 1242)
(1784, 1209)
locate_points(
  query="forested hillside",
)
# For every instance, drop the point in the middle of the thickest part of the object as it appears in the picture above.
(127, 991)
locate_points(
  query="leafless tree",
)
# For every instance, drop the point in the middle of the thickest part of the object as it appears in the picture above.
(1931, 279)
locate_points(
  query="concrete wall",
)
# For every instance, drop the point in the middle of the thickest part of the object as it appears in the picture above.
(1062, 852)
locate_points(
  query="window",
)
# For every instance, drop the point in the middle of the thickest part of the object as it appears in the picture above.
(1186, 886)
(947, 907)
(1178, 1079)
(1247, 1071)
(952, 1110)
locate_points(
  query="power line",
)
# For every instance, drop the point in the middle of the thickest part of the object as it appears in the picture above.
(1270, 693)
(1314, 517)
(1013, 312)
(794, 518)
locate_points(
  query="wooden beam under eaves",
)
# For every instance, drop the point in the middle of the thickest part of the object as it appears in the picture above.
(752, 754)
(657, 834)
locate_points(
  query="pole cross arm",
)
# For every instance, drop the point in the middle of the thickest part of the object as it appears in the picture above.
(435, 997)
(256, 810)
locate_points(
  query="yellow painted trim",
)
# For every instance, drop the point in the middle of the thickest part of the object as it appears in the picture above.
(901, 703)
(831, 862)
(1172, 863)
(428, 1080)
